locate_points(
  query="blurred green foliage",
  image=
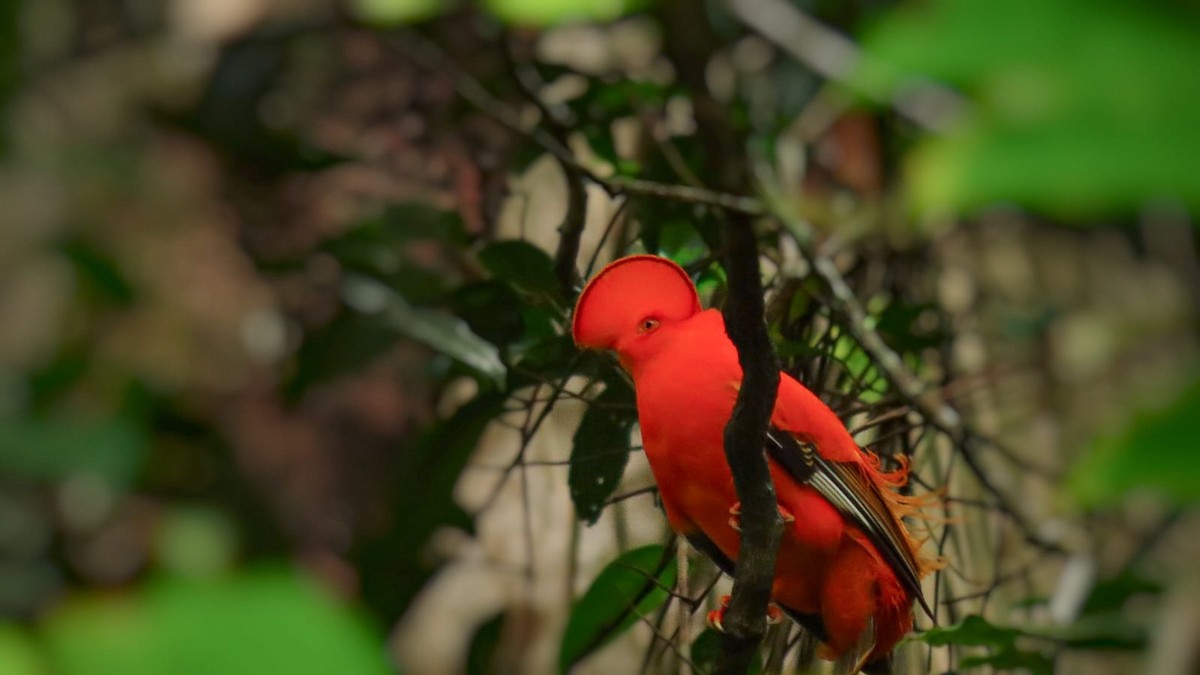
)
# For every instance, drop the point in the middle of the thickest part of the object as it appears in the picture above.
(1075, 108)
(1154, 455)
(259, 621)
(52, 448)
(518, 12)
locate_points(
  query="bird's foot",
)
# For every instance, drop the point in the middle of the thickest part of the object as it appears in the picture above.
(717, 616)
(735, 516)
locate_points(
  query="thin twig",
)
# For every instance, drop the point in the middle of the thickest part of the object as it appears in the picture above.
(557, 124)
(914, 392)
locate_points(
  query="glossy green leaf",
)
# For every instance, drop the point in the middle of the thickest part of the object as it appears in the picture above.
(1076, 107)
(600, 450)
(633, 585)
(1155, 454)
(265, 622)
(525, 266)
(442, 332)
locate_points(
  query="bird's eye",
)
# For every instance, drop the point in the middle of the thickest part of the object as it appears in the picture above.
(647, 325)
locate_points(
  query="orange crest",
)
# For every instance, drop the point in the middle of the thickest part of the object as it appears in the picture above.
(627, 292)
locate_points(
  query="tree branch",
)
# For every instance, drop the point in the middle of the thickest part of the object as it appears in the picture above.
(745, 437)
(556, 122)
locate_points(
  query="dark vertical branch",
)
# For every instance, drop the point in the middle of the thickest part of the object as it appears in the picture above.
(745, 438)
(571, 231)
(745, 435)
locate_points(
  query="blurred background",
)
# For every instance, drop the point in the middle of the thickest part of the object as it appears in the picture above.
(286, 384)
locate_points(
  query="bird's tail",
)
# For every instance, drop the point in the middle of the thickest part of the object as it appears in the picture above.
(914, 508)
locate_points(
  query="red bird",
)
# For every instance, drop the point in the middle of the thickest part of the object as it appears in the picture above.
(848, 570)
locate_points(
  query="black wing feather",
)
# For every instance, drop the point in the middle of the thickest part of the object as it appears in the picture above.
(856, 498)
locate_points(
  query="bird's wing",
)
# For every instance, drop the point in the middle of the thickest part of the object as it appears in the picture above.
(856, 497)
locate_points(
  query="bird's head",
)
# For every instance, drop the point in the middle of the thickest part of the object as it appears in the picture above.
(626, 305)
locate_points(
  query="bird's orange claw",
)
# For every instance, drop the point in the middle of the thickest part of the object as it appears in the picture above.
(717, 616)
(735, 516)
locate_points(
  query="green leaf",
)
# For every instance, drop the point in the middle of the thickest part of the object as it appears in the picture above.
(546, 359)
(1076, 107)
(1110, 595)
(901, 325)
(348, 343)
(492, 309)
(51, 448)
(267, 622)
(1036, 663)
(549, 12)
(381, 247)
(1109, 630)
(631, 586)
(442, 332)
(600, 450)
(707, 647)
(972, 630)
(679, 241)
(705, 650)
(528, 268)
(1104, 630)
(1155, 453)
